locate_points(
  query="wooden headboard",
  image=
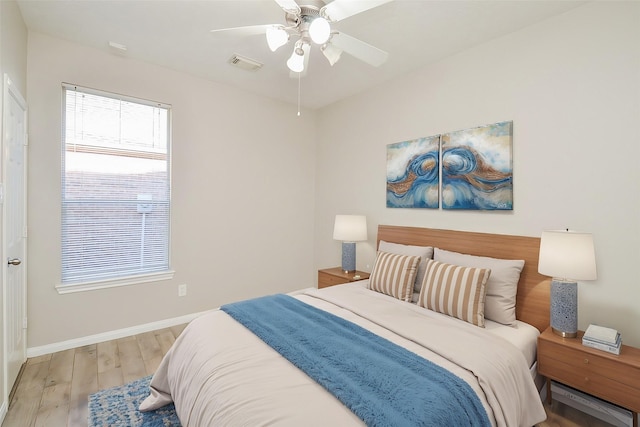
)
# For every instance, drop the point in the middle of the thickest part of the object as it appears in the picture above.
(532, 302)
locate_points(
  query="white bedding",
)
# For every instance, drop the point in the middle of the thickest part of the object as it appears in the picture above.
(219, 373)
(522, 335)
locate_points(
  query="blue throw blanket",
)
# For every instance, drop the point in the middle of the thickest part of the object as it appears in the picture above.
(379, 381)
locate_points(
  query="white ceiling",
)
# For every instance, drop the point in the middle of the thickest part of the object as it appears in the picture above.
(176, 34)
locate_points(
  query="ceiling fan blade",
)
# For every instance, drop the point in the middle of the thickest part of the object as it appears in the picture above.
(359, 49)
(338, 10)
(289, 6)
(250, 30)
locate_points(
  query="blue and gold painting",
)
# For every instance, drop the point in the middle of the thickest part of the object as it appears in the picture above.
(413, 174)
(477, 171)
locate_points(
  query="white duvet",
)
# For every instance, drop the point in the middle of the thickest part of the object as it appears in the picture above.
(219, 374)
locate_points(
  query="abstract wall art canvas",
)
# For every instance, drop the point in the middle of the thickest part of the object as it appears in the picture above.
(477, 170)
(413, 174)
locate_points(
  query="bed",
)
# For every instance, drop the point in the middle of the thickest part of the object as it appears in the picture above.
(366, 353)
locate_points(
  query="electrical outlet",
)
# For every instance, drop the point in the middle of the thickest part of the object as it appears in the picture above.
(182, 290)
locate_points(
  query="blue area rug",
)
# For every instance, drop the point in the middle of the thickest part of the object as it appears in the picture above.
(118, 406)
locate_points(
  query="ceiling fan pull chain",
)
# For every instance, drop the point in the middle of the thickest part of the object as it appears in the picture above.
(299, 74)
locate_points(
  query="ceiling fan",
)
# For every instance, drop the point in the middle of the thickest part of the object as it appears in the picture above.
(311, 23)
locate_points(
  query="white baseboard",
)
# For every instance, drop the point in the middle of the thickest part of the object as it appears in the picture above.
(111, 335)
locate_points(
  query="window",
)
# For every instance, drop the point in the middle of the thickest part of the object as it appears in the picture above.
(115, 190)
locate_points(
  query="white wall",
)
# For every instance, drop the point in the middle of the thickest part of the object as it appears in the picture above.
(571, 85)
(242, 202)
(13, 40)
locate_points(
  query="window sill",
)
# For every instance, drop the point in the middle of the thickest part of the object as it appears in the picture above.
(114, 283)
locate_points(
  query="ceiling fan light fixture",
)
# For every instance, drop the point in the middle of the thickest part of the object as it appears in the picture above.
(319, 30)
(332, 53)
(296, 61)
(276, 37)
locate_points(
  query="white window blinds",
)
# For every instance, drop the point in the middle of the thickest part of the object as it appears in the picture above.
(115, 186)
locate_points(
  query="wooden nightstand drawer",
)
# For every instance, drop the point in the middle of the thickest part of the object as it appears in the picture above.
(325, 280)
(590, 382)
(335, 276)
(614, 378)
(586, 362)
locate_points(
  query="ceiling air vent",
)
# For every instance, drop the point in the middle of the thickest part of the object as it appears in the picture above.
(245, 63)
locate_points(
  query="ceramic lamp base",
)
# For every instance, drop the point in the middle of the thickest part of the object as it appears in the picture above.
(564, 308)
(348, 256)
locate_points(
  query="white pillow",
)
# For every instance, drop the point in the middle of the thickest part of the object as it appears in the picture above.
(501, 288)
(424, 252)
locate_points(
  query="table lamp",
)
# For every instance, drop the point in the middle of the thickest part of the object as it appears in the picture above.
(566, 256)
(349, 229)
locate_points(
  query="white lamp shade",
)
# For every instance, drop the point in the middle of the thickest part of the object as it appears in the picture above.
(350, 228)
(296, 62)
(276, 37)
(567, 255)
(332, 53)
(320, 30)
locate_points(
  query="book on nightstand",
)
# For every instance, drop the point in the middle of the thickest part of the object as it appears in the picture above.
(602, 338)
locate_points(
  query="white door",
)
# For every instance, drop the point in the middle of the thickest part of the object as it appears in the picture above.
(14, 231)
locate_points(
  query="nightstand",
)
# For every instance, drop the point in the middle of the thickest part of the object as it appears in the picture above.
(614, 378)
(336, 276)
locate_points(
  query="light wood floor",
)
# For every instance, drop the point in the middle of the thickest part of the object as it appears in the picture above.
(53, 389)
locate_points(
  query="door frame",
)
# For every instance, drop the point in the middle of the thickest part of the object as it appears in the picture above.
(10, 90)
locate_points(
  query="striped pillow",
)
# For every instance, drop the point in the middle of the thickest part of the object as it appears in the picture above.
(394, 274)
(455, 291)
